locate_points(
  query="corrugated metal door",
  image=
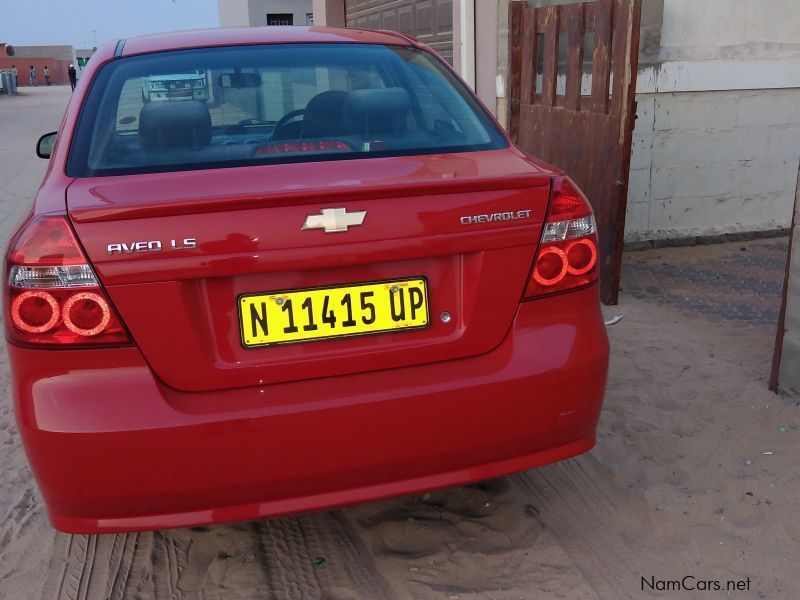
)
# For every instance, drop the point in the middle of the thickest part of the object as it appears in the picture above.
(430, 21)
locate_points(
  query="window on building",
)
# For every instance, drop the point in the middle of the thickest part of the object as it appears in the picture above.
(280, 19)
(309, 19)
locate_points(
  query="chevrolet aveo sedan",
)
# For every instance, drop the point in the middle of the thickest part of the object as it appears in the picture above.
(330, 279)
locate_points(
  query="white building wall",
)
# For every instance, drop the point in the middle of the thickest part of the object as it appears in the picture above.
(716, 29)
(717, 139)
(253, 13)
(260, 8)
(234, 13)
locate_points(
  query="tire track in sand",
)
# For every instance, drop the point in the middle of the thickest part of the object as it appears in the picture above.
(581, 515)
(90, 567)
(318, 556)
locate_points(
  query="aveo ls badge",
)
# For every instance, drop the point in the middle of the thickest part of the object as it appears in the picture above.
(151, 246)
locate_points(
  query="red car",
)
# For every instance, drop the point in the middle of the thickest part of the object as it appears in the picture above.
(332, 279)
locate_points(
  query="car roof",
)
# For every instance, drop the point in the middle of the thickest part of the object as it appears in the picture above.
(201, 38)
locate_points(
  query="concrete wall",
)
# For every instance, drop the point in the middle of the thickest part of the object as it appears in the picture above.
(58, 69)
(481, 50)
(707, 163)
(789, 370)
(486, 55)
(729, 29)
(717, 139)
(53, 52)
(253, 13)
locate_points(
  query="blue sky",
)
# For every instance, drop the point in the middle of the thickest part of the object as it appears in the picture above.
(40, 22)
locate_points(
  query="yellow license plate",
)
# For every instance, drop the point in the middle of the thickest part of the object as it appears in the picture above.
(272, 318)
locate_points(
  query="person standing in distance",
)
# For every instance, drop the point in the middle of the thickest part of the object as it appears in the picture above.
(32, 76)
(73, 76)
(46, 74)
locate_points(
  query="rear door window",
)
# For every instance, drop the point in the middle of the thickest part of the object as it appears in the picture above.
(233, 106)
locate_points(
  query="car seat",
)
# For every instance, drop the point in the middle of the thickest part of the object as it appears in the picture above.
(323, 117)
(176, 124)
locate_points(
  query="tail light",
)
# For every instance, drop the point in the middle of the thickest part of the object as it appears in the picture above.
(568, 254)
(53, 297)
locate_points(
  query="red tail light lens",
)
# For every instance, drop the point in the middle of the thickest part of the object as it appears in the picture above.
(53, 296)
(581, 256)
(86, 313)
(46, 241)
(551, 266)
(569, 203)
(35, 312)
(567, 257)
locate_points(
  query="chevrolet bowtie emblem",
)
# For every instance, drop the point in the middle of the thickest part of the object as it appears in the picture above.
(334, 219)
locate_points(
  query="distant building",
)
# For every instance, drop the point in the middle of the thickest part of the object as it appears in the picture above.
(56, 58)
(258, 13)
(83, 55)
(52, 52)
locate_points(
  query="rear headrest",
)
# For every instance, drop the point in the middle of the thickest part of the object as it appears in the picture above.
(376, 110)
(392, 99)
(323, 115)
(175, 124)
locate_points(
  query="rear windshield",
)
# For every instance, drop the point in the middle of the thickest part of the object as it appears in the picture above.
(240, 105)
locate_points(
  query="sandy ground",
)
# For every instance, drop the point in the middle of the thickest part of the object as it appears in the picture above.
(695, 473)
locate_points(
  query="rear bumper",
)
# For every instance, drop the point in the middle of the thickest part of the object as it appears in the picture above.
(115, 450)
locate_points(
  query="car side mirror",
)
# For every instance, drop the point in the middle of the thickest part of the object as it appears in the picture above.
(44, 147)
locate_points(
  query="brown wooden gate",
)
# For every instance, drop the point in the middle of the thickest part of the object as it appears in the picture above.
(572, 103)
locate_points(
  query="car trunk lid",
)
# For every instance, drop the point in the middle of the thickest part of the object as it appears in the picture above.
(176, 251)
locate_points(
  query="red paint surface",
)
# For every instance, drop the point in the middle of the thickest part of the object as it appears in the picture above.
(202, 38)
(113, 448)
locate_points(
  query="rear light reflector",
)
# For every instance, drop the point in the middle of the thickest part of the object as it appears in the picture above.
(86, 313)
(35, 312)
(551, 266)
(567, 256)
(53, 295)
(581, 256)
